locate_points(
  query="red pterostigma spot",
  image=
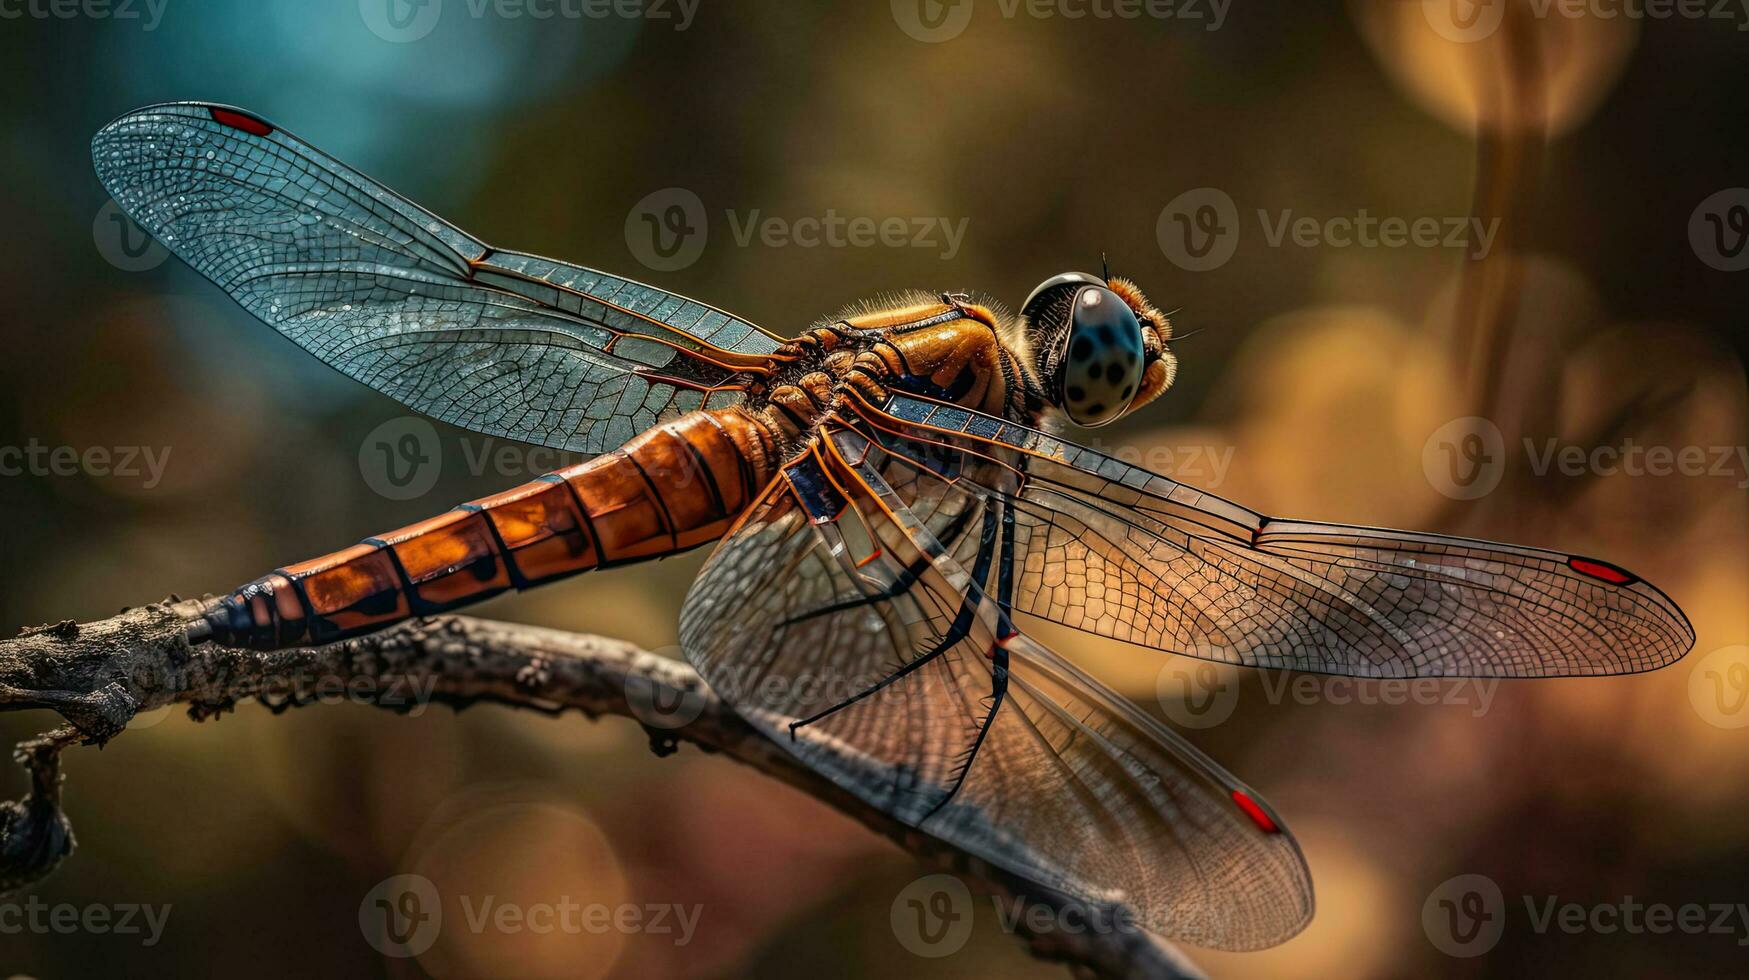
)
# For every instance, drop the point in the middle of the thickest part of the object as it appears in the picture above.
(238, 120)
(1252, 809)
(1599, 570)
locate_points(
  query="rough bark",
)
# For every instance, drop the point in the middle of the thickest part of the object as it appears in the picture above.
(99, 675)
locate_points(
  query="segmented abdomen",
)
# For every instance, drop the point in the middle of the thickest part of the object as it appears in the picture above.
(674, 487)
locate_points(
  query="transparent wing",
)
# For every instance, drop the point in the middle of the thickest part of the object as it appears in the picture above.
(837, 621)
(1121, 552)
(393, 296)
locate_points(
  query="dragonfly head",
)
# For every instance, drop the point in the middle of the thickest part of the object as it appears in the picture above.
(1098, 345)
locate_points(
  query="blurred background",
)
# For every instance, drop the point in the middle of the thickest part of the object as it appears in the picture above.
(1499, 384)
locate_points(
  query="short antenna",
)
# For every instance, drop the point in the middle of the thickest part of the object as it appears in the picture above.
(1104, 268)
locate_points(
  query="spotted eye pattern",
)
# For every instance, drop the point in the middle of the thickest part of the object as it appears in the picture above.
(1102, 367)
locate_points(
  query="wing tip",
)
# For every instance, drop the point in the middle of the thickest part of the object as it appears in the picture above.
(232, 116)
(229, 116)
(1610, 573)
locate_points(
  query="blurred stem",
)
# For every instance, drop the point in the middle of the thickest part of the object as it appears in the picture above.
(1511, 139)
(99, 675)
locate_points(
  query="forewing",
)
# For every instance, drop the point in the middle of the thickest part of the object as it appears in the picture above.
(504, 343)
(832, 620)
(1121, 552)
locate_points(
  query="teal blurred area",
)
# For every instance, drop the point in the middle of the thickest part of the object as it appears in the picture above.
(1314, 377)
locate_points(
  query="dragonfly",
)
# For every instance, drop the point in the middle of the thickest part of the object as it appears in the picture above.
(890, 517)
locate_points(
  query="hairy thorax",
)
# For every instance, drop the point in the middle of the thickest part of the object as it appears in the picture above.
(947, 348)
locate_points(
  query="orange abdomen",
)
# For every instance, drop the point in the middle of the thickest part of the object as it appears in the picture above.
(674, 487)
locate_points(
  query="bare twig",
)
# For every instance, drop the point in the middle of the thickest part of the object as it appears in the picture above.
(99, 675)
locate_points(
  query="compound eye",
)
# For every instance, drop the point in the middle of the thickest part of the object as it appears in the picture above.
(1102, 368)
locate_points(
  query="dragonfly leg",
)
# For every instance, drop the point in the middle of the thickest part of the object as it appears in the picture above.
(959, 629)
(998, 692)
(906, 580)
(998, 660)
